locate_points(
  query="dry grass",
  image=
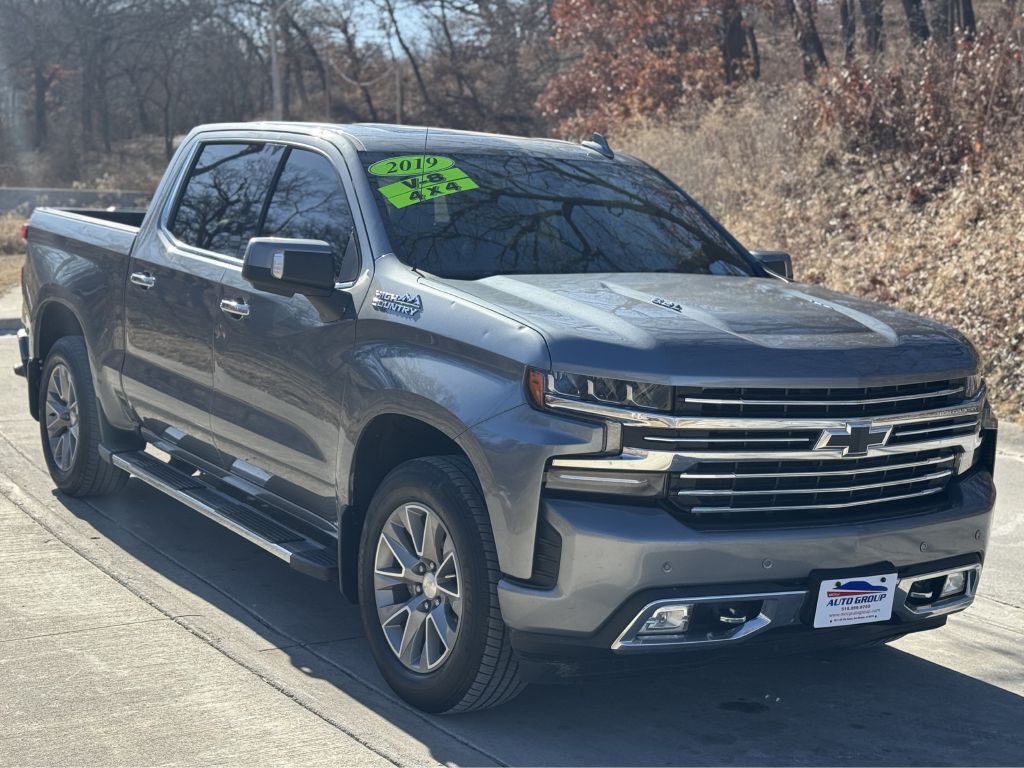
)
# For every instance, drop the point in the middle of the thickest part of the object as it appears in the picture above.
(10, 271)
(855, 225)
(10, 234)
(12, 251)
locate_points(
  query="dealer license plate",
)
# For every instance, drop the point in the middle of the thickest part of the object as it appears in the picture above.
(855, 600)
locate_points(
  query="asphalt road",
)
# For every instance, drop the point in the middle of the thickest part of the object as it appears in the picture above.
(134, 631)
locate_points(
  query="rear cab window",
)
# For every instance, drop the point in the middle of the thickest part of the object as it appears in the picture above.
(220, 206)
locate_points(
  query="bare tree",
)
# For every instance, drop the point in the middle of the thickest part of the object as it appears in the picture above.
(871, 12)
(917, 24)
(848, 28)
(33, 52)
(801, 14)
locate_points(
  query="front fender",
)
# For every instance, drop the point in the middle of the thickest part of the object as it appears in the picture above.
(510, 452)
(474, 395)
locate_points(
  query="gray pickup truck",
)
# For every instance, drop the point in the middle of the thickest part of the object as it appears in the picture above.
(531, 406)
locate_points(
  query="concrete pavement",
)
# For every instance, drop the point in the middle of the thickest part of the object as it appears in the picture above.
(134, 631)
(10, 310)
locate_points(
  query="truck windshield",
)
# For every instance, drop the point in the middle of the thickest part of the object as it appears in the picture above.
(468, 216)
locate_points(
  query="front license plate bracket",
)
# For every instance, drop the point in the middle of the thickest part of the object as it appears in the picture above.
(864, 597)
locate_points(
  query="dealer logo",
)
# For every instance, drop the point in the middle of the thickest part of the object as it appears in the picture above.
(856, 589)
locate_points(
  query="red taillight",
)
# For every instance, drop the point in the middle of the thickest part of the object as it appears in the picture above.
(24, 231)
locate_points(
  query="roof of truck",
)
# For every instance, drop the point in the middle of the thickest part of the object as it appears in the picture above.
(381, 137)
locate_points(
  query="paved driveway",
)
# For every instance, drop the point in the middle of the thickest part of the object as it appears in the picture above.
(134, 631)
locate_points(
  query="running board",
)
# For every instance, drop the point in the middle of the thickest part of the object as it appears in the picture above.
(298, 550)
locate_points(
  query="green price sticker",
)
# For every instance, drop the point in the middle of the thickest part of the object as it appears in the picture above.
(410, 165)
(416, 189)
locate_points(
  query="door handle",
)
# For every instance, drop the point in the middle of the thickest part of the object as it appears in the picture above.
(143, 280)
(235, 307)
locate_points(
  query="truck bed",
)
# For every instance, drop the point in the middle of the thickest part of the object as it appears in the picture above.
(78, 260)
(113, 231)
(131, 217)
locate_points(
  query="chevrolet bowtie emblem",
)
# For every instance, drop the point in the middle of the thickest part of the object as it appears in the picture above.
(854, 439)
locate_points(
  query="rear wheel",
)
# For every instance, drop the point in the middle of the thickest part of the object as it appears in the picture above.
(69, 423)
(428, 575)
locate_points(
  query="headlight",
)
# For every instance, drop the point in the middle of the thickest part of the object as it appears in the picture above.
(548, 387)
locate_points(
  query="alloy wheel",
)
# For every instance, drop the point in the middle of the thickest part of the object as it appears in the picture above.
(417, 583)
(61, 414)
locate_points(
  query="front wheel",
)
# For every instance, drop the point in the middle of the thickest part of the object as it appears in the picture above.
(428, 575)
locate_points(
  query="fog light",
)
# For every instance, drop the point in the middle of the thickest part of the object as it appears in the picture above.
(668, 620)
(955, 584)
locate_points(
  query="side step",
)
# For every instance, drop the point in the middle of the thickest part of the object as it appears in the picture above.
(302, 553)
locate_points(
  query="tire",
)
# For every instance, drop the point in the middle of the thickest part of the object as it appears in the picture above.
(83, 472)
(478, 669)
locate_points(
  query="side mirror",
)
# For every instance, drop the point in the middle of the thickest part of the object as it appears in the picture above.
(779, 262)
(285, 266)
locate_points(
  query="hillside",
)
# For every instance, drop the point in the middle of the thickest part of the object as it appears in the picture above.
(954, 253)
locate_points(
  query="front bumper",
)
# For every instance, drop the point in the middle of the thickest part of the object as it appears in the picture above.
(617, 559)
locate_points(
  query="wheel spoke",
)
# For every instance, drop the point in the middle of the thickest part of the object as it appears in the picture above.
(58, 455)
(448, 577)
(56, 386)
(431, 531)
(387, 612)
(405, 559)
(414, 519)
(442, 625)
(389, 579)
(54, 423)
(411, 648)
(72, 436)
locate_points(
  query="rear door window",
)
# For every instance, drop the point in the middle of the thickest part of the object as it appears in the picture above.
(309, 203)
(220, 207)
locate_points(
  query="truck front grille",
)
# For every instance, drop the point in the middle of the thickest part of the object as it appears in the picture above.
(791, 489)
(749, 457)
(843, 403)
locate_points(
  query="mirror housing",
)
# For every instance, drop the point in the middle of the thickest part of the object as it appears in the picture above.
(779, 262)
(287, 266)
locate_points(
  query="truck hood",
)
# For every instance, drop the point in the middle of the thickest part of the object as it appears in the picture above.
(712, 330)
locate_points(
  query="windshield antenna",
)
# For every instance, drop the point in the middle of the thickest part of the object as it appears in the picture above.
(600, 145)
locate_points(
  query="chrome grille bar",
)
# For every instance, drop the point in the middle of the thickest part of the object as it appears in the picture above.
(969, 425)
(832, 505)
(859, 471)
(665, 421)
(796, 401)
(650, 439)
(839, 489)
